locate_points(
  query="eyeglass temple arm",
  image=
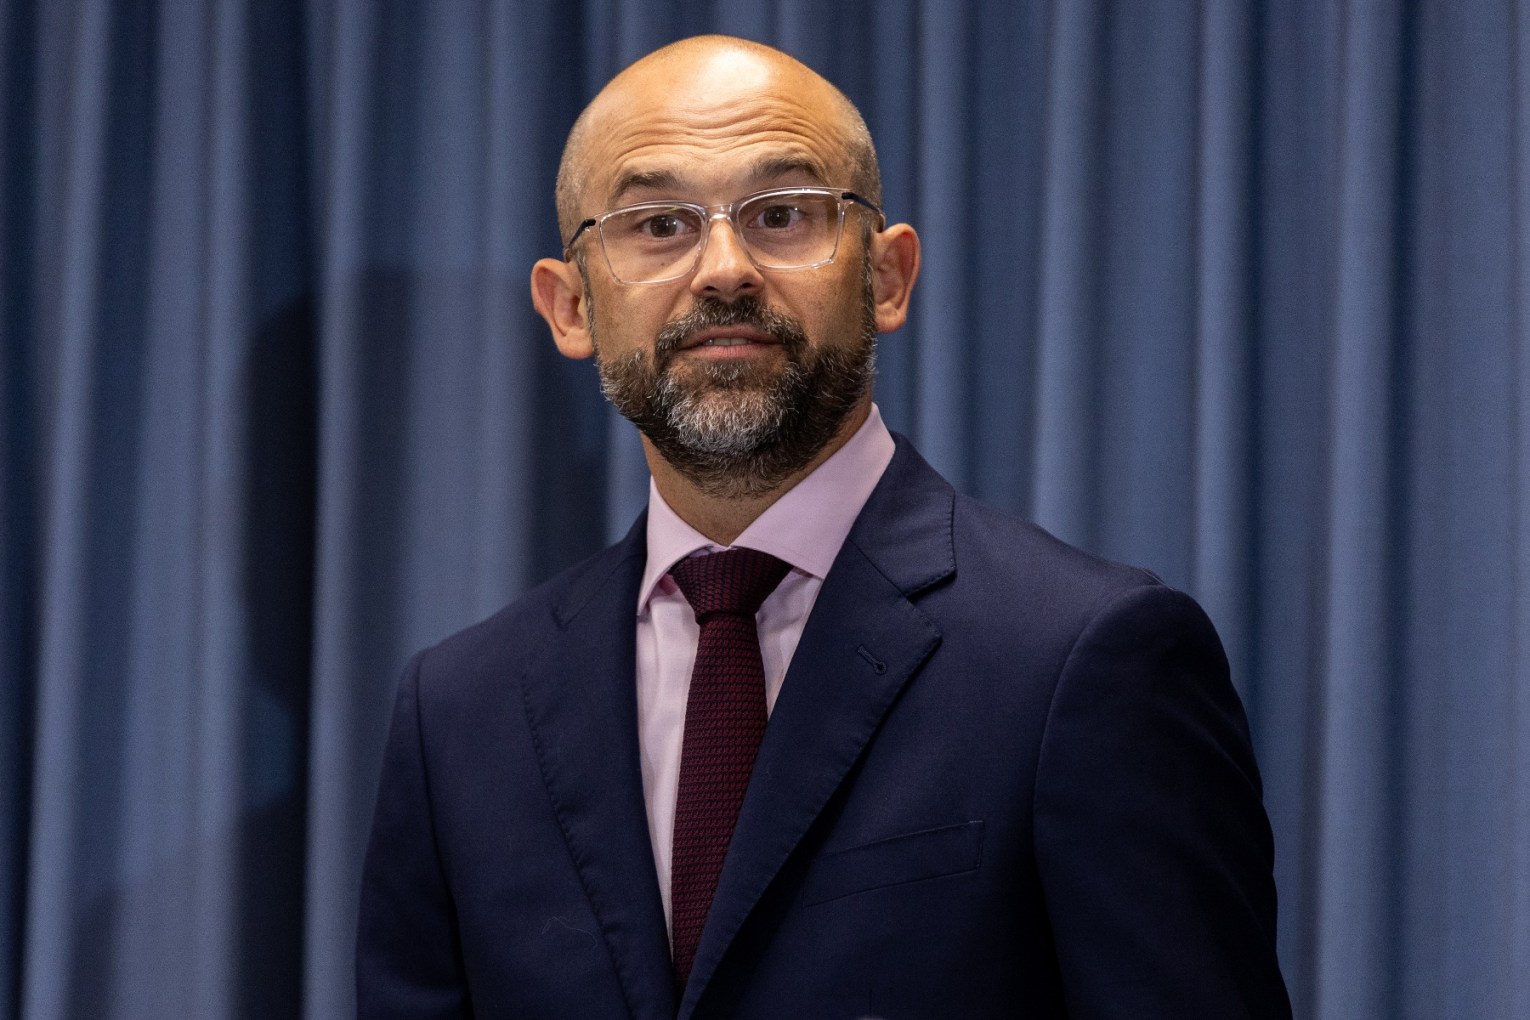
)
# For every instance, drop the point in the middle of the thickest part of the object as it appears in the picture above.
(853, 197)
(568, 247)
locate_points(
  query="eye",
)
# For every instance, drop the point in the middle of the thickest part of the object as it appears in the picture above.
(651, 225)
(661, 225)
(778, 216)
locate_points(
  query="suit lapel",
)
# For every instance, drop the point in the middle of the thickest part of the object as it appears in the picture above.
(863, 642)
(581, 705)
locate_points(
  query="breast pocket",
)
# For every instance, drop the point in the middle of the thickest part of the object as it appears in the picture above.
(911, 857)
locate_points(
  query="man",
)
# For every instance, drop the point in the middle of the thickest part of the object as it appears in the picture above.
(1000, 777)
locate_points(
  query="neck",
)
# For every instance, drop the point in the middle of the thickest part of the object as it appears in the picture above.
(723, 518)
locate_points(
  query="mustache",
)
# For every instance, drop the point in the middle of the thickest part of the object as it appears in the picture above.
(712, 312)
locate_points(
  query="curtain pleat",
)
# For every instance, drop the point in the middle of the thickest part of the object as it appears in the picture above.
(81, 566)
(1067, 377)
(1358, 826)
(1515, 897)
(1225, 340)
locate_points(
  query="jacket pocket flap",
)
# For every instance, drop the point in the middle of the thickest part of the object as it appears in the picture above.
(930, 853)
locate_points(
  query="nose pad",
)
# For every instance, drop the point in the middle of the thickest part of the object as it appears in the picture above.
(725, 269)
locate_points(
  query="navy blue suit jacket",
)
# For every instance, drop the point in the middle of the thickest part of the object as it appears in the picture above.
(1003, 779)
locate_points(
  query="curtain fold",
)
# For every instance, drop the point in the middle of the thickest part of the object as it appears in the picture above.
(1067, 378)
(1516, 902)
(1235, 291)
(1361, 708)
(1225, 342)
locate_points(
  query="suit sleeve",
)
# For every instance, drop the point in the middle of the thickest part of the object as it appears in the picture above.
(408, 960)
(1152, 842)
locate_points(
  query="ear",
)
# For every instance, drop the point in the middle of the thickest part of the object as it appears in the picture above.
(557, 292)
(894, 268)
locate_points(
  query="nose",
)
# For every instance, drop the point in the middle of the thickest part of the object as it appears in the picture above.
(725, 270)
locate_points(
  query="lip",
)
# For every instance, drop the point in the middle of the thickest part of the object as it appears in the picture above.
(751, 336)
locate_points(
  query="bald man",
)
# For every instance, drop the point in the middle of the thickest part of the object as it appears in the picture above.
(820, 737)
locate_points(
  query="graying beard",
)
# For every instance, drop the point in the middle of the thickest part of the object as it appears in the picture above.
(733, 428)
(730, 450)
(728, 444)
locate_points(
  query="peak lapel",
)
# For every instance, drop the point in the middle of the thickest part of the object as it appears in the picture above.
(863, 642)
(581, 705)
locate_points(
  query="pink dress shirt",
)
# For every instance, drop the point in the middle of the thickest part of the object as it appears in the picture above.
(805, 528)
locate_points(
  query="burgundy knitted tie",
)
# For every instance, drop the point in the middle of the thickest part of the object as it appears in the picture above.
(724, 722)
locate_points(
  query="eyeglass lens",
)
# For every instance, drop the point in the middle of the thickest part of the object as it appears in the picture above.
(781, 231)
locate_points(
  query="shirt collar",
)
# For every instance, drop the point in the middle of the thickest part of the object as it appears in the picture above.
(805, 527)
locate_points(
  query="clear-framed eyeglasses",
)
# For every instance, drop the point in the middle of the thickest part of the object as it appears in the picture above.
(780, 229)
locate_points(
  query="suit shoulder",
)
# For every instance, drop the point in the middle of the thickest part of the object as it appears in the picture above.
(971, 563)
(1019, 579)
(516, 632)
(995, 545)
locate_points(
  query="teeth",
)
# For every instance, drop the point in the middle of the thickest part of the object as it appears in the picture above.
(726, 341)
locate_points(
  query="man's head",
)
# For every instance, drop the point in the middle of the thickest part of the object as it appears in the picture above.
(730, 59)
(739, 376)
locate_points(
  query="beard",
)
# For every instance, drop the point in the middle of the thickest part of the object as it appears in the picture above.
(740, 428)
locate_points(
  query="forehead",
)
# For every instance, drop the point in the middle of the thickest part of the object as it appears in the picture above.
(707, 132)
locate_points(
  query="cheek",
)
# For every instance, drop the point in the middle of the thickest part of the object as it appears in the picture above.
(624, 316)
(832, 312)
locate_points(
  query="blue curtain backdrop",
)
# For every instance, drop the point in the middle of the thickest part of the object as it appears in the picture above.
(1234, 290)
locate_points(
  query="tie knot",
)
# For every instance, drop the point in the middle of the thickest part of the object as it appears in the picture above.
(735, 581)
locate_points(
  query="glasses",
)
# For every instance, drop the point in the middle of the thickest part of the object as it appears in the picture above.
(785, 228)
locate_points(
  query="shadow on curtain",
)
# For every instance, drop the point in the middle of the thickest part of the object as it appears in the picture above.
(1234, 291)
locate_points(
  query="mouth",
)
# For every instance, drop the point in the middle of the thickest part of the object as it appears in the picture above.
(728, 341)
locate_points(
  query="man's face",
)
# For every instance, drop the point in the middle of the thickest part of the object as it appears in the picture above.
(737, 376)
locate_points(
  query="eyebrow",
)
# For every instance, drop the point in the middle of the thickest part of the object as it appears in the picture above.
(655, 180)
(768, 168)
(784, 166)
